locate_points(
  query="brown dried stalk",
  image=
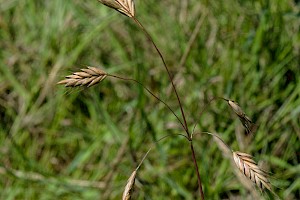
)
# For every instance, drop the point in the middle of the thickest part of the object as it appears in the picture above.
(86, 77)
(125, 7)
(250, 169)
(246, 121)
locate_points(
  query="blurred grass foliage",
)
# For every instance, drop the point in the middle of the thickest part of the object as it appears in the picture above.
(58, 143)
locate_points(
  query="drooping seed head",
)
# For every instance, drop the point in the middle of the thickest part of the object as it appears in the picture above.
(129, 186)
(236, 108)
(246, 121)
(130, 182)
(250, 169)
(125, 7)
(86, 77)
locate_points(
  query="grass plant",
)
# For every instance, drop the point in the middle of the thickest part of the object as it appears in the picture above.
(85, 143)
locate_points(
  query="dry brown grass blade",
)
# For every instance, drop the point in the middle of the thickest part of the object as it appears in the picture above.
(250, 169)
(34, 176)
(246, 121)
(86, 77)
(125, 7)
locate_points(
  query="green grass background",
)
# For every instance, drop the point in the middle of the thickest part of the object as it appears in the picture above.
(58, 143)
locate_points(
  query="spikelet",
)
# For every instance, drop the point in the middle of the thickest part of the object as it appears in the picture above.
(129, 186)
(86, 77)
(250, 169)
(130, 182)
(246, 121)
(125, 7)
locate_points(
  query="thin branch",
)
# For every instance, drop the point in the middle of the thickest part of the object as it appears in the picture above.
(143, 159)
(220, 139)
(166, 136)
(193, 131)
(197, 171)
(169, 74)
(149, 91)
(207, 104)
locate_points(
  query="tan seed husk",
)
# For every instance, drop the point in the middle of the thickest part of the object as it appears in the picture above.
(250, 169)
(86, 77)
(90, 71)
(125, 7)
(236, 108)
(130, 182)
(129, 186)
(246, 121)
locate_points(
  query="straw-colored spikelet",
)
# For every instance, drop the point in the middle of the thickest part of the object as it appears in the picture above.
(86, 77)
(125, 7)
(130, 182)
(129, 186)
(249, 168)
(246, 121)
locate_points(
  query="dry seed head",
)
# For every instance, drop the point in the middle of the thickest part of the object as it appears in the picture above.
(86, 77)
(236, 108)
(130, 182)
(125, 7)
(250, 169)
(248, 124)
(129, 186)
(246, 121)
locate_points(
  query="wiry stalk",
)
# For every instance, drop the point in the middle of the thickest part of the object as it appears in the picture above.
(197, 171)
(180, 105)
(167, 69)
(150, 92)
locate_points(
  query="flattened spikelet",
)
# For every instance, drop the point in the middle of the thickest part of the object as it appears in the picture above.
(86, 77)
(125, 7)
(250, 169)
(129, 186)
(130, 182)
(246, 121)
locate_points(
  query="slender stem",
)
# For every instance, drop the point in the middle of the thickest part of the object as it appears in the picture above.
(143, 159)
(207, 105)
(149, 91)
(197, 171)
(180, 105)
(166, 136)
(217, 136)
(185, 126)
(169, 74)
